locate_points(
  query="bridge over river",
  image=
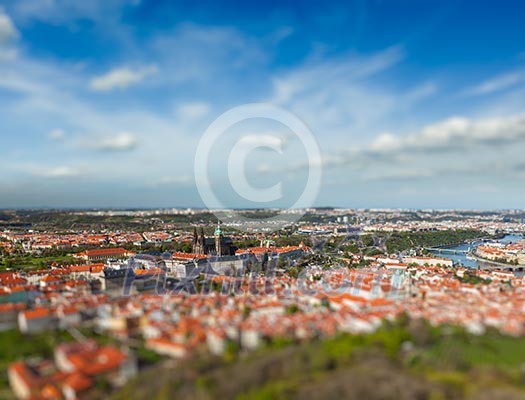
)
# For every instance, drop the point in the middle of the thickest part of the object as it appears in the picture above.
(448, 250)
(464, 254)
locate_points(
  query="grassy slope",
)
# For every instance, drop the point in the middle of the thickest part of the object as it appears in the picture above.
(15, 346)
(444, 363)
(440, 363)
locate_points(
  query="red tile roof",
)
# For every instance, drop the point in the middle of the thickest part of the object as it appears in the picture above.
(105, 252)
(187, 256)
(37, 313)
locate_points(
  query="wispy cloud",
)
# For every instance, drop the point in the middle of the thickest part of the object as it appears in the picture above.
(8, 31)
(67, 11)
(8, 53)
(406, 174)
(193, 110)
(347, 99)
(340, 71)
(261, 141)
(120, 142)
(8, 34)
(121, 78)
(47, 171)
(57, 134)
(498, 83)
(175, 180)
(59, 172)
(341, 97)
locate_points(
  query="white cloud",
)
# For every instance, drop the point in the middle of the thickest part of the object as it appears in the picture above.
(340, 97)
(194, 110)
(46, 171)
(8, 53)
(120, 142)
(61, 172)
(64, 11)
(464, 149)
(457, 147)
(424, 91)
(175, 180)
(497, 84)
(8, 31)
(281, 34)
(209, 56)
(43, 88)
(264, 168)
(340, 100)
(401, 174)
(57, 134)
(384, 142)
(335, 73)
(453, 133)
(121, 78)
(261, 141)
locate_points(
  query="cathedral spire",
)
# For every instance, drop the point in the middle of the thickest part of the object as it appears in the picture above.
(218, 240)
(195, 236)
(218, 231)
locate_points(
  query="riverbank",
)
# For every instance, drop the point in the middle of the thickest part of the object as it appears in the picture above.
(490, 264)
(464, 251)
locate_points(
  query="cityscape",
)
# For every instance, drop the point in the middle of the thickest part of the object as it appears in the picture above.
(250, 200)
(155, 290)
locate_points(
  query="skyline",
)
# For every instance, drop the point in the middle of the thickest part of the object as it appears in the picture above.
(104, 103)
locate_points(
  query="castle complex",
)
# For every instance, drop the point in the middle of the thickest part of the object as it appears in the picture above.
(219, 245)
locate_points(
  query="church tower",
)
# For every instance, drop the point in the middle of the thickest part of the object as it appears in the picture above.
(218, 240)
(194, 247)
(198, 244)
(202, 242)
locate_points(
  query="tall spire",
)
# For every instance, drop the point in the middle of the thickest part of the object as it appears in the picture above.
(218, 239)
(195, 235)
(202, 238)
(218, 231)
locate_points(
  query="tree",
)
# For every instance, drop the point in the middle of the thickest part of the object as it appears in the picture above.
(293, 272)
(8, 263)
(292, 309)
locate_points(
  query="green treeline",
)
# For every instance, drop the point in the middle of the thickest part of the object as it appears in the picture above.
(402, 241)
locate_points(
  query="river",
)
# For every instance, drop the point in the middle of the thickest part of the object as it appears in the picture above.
(463, 259)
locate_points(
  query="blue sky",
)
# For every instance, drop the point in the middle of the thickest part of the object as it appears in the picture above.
(414, 104)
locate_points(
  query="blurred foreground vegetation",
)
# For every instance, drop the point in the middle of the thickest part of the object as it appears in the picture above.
(16, 346)
(402, 360)
(405, 359)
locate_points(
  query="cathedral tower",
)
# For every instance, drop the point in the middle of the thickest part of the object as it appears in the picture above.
(218, 240)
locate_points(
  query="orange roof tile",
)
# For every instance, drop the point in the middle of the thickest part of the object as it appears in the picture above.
(37, 313)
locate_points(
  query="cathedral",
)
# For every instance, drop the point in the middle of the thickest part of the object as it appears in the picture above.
(219, 245)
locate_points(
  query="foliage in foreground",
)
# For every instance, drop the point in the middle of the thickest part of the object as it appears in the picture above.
(403, 360)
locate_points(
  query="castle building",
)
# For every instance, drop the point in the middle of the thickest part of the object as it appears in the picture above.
(219, 245)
